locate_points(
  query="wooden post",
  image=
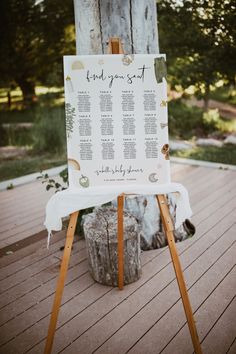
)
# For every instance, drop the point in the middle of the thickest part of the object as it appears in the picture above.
(115, 47)
(60, 282)
(133, 21)
(120, 236)
(168, 226)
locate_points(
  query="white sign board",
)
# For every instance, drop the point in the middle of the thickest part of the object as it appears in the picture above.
(116, 120)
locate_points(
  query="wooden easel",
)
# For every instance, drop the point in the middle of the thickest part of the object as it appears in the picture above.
(115, 47)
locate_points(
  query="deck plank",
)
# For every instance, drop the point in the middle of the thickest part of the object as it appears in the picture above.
(33, 282)
(232, 348)
(206, 315)
(100, 308)
(30, 255)
(137, 317)
(169, 325)
(223, 333)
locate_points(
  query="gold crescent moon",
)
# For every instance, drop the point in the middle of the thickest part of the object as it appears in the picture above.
(152, 177)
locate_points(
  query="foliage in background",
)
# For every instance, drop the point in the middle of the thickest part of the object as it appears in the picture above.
(224, 94)
(18, 125)
(49, 131)
(34, 36)
(15, 136)
(18, 115)
(186, 122)
(199, 38)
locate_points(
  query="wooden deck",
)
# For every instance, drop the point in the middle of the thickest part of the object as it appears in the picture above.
(22, 212)
(147, 316)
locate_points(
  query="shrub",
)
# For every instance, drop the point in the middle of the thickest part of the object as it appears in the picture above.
(3, 136)
(49, 130)
(211, 119)
(20, 115)
(187, 122)
(184, 122)
(15, 135)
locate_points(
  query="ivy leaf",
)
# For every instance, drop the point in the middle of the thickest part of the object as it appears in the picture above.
(49, 186)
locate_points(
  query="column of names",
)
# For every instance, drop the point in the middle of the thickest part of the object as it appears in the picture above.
(150, 124)
(84, 121)
(128, 124)
(106, 125)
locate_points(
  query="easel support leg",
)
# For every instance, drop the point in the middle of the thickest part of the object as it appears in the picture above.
(168, 226)
(120, 233)
(60, 282)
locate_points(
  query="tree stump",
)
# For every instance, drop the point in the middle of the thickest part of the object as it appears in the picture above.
(100, 230)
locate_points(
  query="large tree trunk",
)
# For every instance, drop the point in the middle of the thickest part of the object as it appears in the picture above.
(134, 21)
(206, 97)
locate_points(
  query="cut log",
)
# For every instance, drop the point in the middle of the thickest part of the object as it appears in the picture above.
(100, 230)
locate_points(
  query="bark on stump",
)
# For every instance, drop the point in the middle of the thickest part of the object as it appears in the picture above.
(100, 230)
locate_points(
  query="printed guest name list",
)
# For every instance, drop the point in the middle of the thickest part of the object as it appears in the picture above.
(116, 131)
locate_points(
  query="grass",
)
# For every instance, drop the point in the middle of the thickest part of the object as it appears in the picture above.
(47, 133)
(225, 154)
(46, 97)
(45, 139)
(28, 115)
(15, 116)
(29, 164)
(16, 136)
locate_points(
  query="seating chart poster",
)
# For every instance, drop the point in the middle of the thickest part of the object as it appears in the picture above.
(116, 120)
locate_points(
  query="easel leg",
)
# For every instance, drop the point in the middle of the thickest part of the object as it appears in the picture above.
(60, 282)
(115, 47)
(168, 226)
(120, 231)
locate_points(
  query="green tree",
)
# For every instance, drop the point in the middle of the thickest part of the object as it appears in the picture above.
(58, 39)
(199, 38)
(34, 36)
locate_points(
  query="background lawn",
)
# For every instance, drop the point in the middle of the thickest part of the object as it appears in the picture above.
(225, 154)
(29, 164)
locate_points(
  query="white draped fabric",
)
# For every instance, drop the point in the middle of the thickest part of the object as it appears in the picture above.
(66, 202)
